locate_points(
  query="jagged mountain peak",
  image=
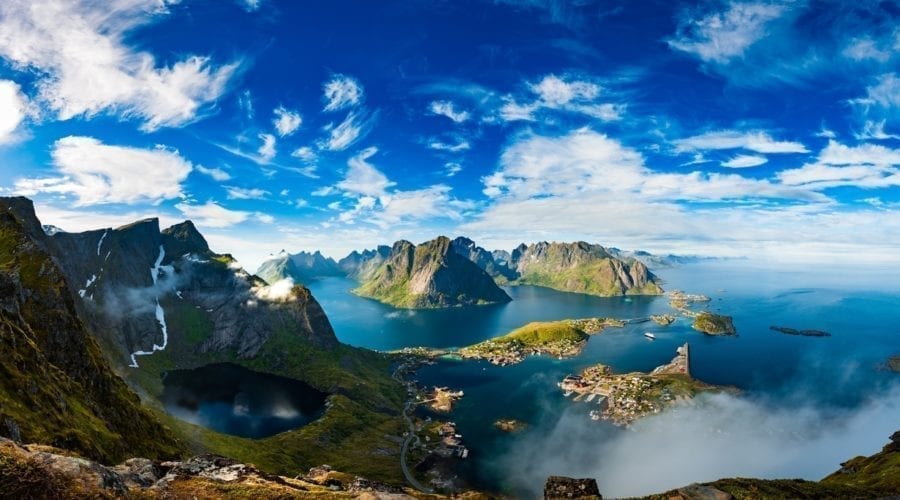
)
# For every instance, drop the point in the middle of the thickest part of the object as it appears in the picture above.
(184, 238)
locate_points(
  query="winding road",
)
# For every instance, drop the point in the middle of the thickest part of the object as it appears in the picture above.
(411, 435)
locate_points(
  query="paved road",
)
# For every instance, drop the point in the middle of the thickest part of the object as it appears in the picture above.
(407, 411)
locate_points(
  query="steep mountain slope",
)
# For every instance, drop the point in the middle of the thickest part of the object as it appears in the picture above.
(55, 385)
(430, 275)
(581, 267)
(302, 267)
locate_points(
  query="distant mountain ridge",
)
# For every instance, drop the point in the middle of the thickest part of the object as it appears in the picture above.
(572, 267)
(302, 267)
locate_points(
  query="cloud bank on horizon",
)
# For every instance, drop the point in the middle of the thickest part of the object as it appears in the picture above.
(717, 127)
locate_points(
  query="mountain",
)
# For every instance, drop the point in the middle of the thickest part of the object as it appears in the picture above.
(301, 267)
(151, 301)
(581, 267)
(495, 264)
(656, 261)
(56, 386)
(362, 265)
(430, 275)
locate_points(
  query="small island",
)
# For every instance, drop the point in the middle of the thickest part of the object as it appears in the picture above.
(803, 333)
(510, 425)
(893, 363)
(560, 339)
(714, 324)
(663, 319)
(626, 398)
(682, 302)
(442, 399)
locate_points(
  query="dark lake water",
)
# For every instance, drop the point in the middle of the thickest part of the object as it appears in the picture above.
(834, 374)
(234, 400)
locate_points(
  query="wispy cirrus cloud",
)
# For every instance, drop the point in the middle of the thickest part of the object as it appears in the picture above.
(216, 173)
(85, 68)
(449, 110)
(721, 36)
(286, 121)
(342, 92)
(553, 93)
(755, 140)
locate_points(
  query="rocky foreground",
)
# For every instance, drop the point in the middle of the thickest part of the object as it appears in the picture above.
(36, 471)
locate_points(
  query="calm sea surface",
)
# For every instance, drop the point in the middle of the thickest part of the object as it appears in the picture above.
(860, 309)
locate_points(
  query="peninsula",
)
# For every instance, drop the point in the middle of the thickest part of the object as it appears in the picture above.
(628, 397)
(561, 339)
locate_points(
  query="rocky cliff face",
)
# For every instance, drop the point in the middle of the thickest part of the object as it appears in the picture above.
(430, 275)
(138, 283)
(56, 387)
(302, 267)
(581, 267)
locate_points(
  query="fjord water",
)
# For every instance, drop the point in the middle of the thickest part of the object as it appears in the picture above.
(860, 309)
(234, 400)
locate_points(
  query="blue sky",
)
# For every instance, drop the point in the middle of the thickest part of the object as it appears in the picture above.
(726, 128)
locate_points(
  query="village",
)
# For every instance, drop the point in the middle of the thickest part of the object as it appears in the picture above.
(623, 399)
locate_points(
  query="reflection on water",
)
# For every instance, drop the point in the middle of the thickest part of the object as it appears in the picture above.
(234, 400)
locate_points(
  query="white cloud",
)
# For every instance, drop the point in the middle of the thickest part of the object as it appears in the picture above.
(363, 178)
(239, 193)
(345, 134)
(97, 173)
(304, 153)
(250, 5)
(286, 122)
(267, 149)
(885, 92)
(216, 173)
(555, 93)
(452, 168)
(211, 214)
(13, 108)
(756, 141)
(462, 145)
(864, 166)
(342, 92)
(875, 130)
(745, 161)
(85, 68)
(280, 291)
(861, 49)
(448, 109)
(719, 37)
(376, 203)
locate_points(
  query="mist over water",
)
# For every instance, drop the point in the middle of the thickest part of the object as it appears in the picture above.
(807, 404)
(719, 436)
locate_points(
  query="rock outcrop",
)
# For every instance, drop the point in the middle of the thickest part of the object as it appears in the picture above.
(430, 275)
(29, 471)
(559, 488)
